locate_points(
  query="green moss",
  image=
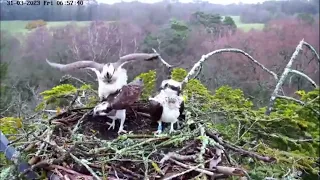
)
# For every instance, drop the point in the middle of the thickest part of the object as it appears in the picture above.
(149, 80)
(10, 125)
(178, 74)
(57, 96)
(86, 87)
(232, 98)
(92, 101)
(60, 90)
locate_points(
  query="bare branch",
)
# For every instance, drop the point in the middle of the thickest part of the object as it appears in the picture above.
(205, 57)
(292, 99)
(162, 60)
(192, 167)
(85, 165)
(177, 157)
(227, 145)
(283, 77)
(305, 76)
(198, 73)
(313, 50)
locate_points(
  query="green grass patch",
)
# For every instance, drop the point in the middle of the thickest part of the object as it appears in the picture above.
(247, 26)
(19, 26)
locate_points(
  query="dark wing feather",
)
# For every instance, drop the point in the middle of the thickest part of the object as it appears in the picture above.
(112, 96)
(156, 110)
(76, 65)
(182, 116)
(134, 57)
(128, 95)
(110, 112)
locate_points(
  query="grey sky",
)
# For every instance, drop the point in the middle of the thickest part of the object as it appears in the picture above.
(211, 1)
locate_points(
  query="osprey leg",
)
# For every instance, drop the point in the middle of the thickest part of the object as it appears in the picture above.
(178, 125)
(159, 130)
(112, 125)
(171, 127)
(122, 117)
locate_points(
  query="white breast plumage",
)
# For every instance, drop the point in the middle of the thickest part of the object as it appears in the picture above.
(170, 103)
(105, 89)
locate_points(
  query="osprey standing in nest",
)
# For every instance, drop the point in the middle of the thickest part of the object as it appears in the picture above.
(168, 105)
(116, 104)
(111, 76)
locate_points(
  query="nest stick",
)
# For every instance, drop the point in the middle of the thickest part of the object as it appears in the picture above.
(85, 165)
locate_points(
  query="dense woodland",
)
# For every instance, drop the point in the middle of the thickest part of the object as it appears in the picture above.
(230, 93)
(157, 13)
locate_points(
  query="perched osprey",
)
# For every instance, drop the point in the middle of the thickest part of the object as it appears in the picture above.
(111, 76)
(114, 106)
(168, 105)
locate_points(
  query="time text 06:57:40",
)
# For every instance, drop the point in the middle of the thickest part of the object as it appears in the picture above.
(45, 2)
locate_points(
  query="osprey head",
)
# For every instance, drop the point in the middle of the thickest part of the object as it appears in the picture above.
(171, 86)
(109, 72)
(101, 109)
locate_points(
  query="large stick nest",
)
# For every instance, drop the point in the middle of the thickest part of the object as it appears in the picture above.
(76, 145)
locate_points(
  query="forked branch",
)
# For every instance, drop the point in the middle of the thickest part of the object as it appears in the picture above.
(284, 75)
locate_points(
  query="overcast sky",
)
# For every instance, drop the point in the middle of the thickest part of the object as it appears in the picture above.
(211, 1)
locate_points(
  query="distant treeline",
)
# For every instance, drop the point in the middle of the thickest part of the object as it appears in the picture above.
(156, 13)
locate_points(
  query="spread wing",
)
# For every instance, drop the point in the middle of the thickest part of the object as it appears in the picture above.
(135, 57)
(76, 65)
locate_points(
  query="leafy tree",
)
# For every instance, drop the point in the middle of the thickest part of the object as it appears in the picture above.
(207, 20)
(171, 40)
(306, 18)
(228, 21)
(4, 90)
(212, 22)
(9, 45)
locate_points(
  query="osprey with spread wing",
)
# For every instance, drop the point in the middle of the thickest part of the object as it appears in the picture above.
(111, 76)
